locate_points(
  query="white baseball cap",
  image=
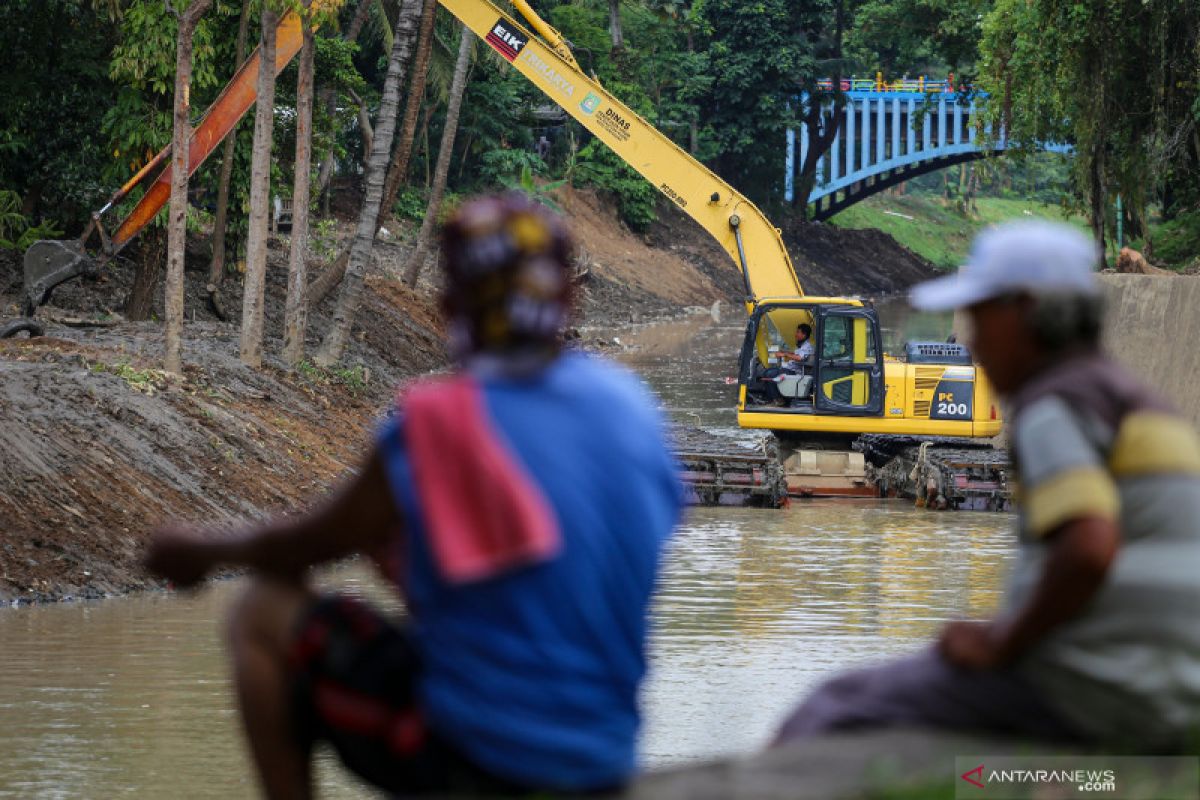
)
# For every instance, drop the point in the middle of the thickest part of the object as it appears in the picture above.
(1034, 256)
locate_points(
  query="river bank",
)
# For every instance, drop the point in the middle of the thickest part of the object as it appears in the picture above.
(130, 696)
(101, 446)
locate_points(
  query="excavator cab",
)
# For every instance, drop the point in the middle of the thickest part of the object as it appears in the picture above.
(849, 368)
(846, 377)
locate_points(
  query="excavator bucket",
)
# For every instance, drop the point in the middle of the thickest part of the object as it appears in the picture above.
(49, 263)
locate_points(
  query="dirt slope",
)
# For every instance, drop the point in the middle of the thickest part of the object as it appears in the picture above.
(869, 263)
(100, 447)
(677, 262)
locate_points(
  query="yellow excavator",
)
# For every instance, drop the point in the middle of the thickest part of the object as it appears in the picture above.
(851, 387)
(907, 417)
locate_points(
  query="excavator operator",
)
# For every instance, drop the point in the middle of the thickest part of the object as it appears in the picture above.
(802, 356)
(798, 362)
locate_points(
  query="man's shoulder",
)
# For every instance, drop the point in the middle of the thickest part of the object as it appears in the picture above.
(1091, 384)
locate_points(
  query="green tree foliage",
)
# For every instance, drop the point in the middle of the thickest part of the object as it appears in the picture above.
(142, 65)
(88, 85)
(916, 36)
(16, 231)
(658, 73)
(761, 54)
(1119, 80)
(54, 70)
(334, 63)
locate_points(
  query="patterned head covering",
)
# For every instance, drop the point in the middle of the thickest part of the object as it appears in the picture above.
(508, 287)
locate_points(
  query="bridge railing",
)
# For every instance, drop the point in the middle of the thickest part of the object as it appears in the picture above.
(920, 84)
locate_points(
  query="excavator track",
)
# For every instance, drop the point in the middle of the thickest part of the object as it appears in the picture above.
(728, 471)
(939, 471)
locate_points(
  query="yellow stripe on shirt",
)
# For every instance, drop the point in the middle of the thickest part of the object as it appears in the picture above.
(1154, 443)
(1072, 494)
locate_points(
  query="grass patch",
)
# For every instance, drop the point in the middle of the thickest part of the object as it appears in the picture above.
(937, 232)
(146, 381)
(354, 378)
(1177, 242)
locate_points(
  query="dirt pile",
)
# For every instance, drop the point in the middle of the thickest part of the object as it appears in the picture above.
(100, 446)
(632, 277)
(835, 261)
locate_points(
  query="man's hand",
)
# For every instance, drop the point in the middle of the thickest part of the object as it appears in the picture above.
(1080, 554)
(974, 645)
(179, 554)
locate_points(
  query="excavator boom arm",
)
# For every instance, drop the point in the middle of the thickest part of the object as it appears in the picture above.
(220, 118)
(50, 263)
(755, 246)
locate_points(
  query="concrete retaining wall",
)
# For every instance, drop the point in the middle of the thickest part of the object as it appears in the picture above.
(1153, 327)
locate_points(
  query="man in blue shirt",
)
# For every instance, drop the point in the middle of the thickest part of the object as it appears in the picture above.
(520, 505)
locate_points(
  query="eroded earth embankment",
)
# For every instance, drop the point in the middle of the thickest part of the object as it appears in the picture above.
(99, 447)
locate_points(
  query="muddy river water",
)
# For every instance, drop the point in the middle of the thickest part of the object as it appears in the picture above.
(129, 697)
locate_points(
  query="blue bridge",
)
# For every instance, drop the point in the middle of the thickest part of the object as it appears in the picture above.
(886, 133)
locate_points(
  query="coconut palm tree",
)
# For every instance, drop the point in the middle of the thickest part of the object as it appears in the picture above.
(420, 252)
(260, 195)
(422, 71)
(295, 315)
(350, 296)
(177, 216)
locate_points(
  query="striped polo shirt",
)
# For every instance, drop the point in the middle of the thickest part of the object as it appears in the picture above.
(1089, 440)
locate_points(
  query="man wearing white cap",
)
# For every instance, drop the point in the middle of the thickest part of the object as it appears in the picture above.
(1097, 640)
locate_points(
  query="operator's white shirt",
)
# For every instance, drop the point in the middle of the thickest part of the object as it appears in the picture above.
(805, 350)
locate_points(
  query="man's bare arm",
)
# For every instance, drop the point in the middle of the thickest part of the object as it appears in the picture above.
(1081, 553)
(358, 516)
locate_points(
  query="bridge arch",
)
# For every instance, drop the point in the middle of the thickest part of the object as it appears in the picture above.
(886, 134)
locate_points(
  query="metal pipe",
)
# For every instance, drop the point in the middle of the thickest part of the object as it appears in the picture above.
(1120, 224)
(735, 222)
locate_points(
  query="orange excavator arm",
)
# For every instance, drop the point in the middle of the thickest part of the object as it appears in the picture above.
(220, 118)
(49, 263)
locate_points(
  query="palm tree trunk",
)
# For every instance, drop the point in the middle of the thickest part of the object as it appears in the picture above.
(331, 277)
(350, 297)
(360, 19)
(216, 267)
(412, 109)
(457, 87)
(260, 197)
(177, 215)
(295, 318)
(147, 270)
